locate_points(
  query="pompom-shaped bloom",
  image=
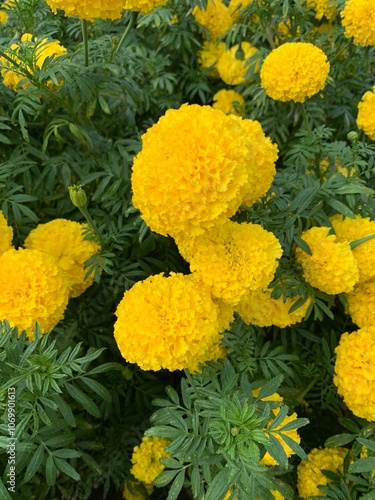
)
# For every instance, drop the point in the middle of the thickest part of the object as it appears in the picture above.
(366, 114)
(215, 17)
(142, 6)
(167, 323)
(350, 230)
(63, 239)
(146, 459)
(232, 70)
(294, 71)
(193, 171)
(332, 267)
(209, 55)
(361, 304)
(234, 258)
(134, 490)
(229, 102)
(323, 8)
(358, 19)
(94, 9)
(355, 371)
(3, 17)
(33, 289)
(260, 309)
(309, 472)
(6, 234)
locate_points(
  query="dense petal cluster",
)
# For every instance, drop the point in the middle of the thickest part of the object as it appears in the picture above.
(322, 8)
(33, 289)
(146, 459)
(216, 17)
(309, 472)
(358, 19)
(294, 71)
(332, 267)
(366, 114)
(102, 9)
(361, 304)
(229, 102)
(63, 239)
(260, 309)
(193, 170)
(231, 69)
(142, 6)
(351, 230)
(6, 234)
(355, 371)
(168, 323)
(209, 55)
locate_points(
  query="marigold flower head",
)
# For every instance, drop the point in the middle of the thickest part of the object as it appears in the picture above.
(229, 102)
(209, 55)
(358, 19)
(133, 490)
(176, 323)
(3, 17)
(216, 17)
(6, 234)
(361, 304)
(193, 171)
(322, 8)
(355, 371)
(294, 71)
(332, 267)
(142, 6)
(260, 309)
(101, 9)
(236, 6)
(233, 70)
(350, 230)
(146, 458)
(366, 114)
(309, 472)
(63, 240)
(34, 289)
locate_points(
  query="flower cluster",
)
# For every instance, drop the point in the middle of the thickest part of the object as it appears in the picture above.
(146, 459)
(366, 114)
(89, 9)
(309, 472)
(216, 18)
(229, 102)
(6, 234)
(355, 371)
(294, 71)
(358, 20)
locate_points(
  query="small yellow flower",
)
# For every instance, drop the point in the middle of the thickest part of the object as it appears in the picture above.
(209, 55)
(229, 102)
(3, 16)
(366, 113)
(146, 459)
(216, 17)
(322, 8)
(358, 19)
(232, 70)
(361, 304)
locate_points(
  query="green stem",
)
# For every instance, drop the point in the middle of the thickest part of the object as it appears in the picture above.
(307, 389)
(306, 120)
(133, 20)
(85, 39)
(91, 224)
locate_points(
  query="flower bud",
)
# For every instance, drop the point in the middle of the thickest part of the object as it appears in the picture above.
(352, 137)
(77, 196)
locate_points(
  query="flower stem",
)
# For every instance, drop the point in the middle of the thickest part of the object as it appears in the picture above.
(306, 120)
(133, 20)
(85, 39)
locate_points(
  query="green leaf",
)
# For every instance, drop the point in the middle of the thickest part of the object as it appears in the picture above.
(219, 485)
(165, 477)
(339, 440)
(302, 244)
(50, 471)
(82, 398)
(270, 387)
(341, 208)
(60, 440)
(34, 464)
(362, 465)
(66, 453)
(97, 388)
(64, 409)
(172, 394)
(67, 469)
(176, 486)
(4, 495)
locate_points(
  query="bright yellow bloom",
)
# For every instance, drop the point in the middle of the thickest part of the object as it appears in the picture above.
(358, 19)
(323, 8)
(229, 102)
(355, 371)
(309, 471)
(259, 308)
(133, 491)
(33, 289)
(146, 459)
(3, 16)
(332, 267)
(167, 323)
(236, 6)
(355, 229)
(142, 6)
(366, 114)
(294, 71)
(233, 70)
(98, 9)
(63, 240)
(209, 55)
(216, 18)
(361, 304)
(6, 234)
(193, 171)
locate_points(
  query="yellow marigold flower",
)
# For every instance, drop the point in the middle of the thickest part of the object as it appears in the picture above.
(350, 230)
(355, 371)
(133, 490)
(229, 102)
(366, 113)
(216, 18)
(259, 308)
(63, 240)
(323, 8)
(294, 71)
(361, 304)
(33, 289)
(209, 55)
(332, 267)
(232, 70)
(358, 17)
(146, 459)
(142, 6)
(309, 472)
(99, 9)
(3, 16)
(176, 323)
(6, 234)
(193, 171)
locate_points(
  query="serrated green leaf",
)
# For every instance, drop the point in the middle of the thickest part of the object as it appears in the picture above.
(50, 471)
(339, 440)
(165, 477)
(270, 387)
(84, 400)
(34, 464)
(98, 388)
(176, 486)
(362, 465)
(67, 469)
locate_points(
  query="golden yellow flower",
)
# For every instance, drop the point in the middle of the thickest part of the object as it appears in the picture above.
(167, 323)
(332, 267)
(358, 19)
(366, 114)
(233, 70)
(3, 16)
(133, 490)
(209, 55)
(323, 8)
(142, 6)
(33, 289)
(229, 102)
(102, 9)
(6, 234)
(259, 308)
(294, 71)
(309, 472)
(146, 459)
(193, 171)
(361, 304)
(63, 240)
(355, 371)
(216, 17)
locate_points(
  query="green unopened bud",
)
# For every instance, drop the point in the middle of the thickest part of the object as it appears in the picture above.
(240, 54)
(127, 373)
(78, 196)
(115, 41)
(352, 137)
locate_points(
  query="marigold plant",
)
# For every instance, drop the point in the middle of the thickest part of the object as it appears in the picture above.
(358, 20)
(232, 68)
(146, 459)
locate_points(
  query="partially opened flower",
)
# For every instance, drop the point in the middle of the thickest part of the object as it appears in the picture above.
(146, 459)
(366, 114)
(229, 102)
(216, 17)
(209, 55)
(6, 234)
(232, 68)
(358, 19)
